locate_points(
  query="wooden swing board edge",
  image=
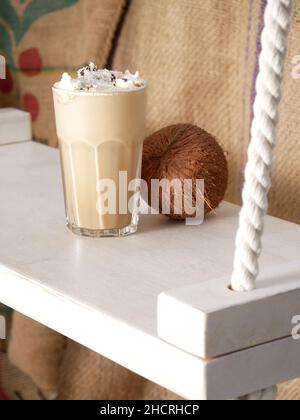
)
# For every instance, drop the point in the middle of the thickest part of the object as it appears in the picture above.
(186, 375)
(15, 126)
(209, 320)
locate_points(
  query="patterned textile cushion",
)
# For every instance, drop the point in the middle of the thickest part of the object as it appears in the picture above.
(40, 39)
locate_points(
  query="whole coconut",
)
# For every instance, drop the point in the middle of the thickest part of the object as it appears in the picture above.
(185, 151)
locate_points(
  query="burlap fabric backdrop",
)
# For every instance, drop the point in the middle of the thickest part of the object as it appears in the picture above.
(201, 59)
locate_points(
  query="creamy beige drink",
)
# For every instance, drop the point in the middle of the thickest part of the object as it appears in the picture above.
(100, 125)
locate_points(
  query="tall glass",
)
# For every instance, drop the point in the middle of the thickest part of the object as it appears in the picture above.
(101, 141)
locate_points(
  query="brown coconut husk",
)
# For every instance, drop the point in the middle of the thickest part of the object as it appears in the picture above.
(185, 151)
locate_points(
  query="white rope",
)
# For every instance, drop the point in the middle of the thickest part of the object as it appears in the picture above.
(260, 155)
(257, 175)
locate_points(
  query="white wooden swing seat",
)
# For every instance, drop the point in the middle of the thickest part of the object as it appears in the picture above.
(159, 303)
(103, 293)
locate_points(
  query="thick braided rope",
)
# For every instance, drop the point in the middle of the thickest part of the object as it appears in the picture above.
(257, 175)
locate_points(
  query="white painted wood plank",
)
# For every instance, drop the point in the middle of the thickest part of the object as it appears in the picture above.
(250, 370)
(103, 293)
(209, 320)
(121, 276)
(103, 333)
(15, 126)
(186, 375)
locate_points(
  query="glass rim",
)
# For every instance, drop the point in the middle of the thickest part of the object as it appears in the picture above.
(102, 93)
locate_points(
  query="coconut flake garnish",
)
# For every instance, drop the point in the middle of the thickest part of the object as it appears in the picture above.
(92, 79)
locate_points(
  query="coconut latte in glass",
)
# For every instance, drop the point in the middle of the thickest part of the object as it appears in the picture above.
(100, 120)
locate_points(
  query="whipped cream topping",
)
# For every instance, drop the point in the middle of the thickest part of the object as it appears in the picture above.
(92, 79)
